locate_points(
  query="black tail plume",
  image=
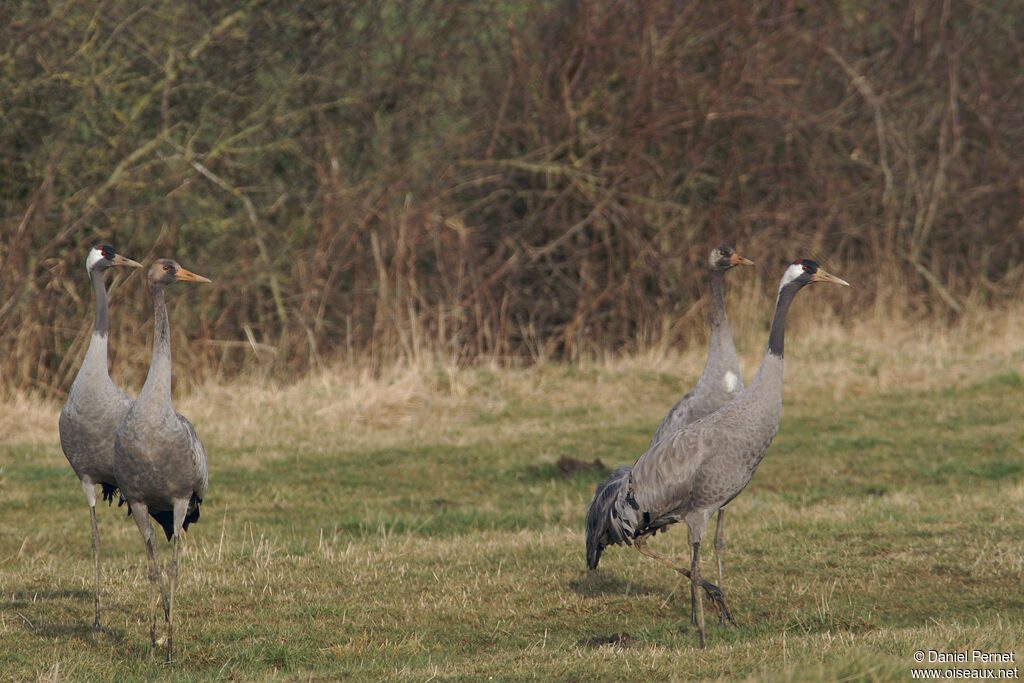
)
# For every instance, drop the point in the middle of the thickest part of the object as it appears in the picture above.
(165, 518)
(109, 491)
(602, 530)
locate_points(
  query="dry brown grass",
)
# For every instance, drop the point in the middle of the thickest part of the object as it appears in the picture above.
(438, 400)
(28, 420)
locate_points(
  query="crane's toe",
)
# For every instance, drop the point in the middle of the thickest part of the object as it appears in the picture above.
(717, 598)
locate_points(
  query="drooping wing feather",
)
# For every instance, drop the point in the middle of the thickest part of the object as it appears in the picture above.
(198, 454)
(662, 480)
(602, 530)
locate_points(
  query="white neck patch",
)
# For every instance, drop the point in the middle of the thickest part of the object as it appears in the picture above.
(95, 255)
(731, 381)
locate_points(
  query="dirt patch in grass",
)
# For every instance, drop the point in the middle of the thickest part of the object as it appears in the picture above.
(567, 466)
(615, 640)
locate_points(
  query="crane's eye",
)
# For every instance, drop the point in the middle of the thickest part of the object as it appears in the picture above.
(807, 269)
(167, 268)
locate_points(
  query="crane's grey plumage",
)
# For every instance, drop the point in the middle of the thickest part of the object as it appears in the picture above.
(159, 461)
(718, 384)
(694, 471)
(95, 407)
(721, 380)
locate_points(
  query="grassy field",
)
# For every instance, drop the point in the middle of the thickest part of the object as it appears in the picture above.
(417, 526)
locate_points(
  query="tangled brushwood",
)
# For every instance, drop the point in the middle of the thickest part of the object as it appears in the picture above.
(513, 181)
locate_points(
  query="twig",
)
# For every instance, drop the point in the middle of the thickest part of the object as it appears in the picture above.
(250, 210)
(868, 93)
(934, 282)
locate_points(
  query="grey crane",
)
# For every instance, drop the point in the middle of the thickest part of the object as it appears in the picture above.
(719, 383)
(159, 461)
(721, 380)
(694, 471)
(95, 407)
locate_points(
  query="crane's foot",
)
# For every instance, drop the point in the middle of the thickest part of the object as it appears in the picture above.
(717, 598)
(714, 593)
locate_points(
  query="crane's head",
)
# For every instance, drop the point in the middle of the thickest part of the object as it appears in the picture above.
(165, 271)
(102, 257)
(724, 258)
(805, 271)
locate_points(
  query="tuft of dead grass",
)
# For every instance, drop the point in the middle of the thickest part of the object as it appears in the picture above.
(27, 419)
(441, 400)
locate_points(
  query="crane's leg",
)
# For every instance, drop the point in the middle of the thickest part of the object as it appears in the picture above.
(718, 557)
(90, 497)
(96, 561)
(173, 577)
(140, 513)
(693, 604)
(695, 580)
(180, 509)
(718, 543)
(713, 592)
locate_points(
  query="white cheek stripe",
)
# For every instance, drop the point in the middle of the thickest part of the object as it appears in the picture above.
(94, 256)
(792, 273)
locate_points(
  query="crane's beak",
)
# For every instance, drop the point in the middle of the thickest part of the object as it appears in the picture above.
(190, 276)
(822, 276)
(124, 261)
(738, 260)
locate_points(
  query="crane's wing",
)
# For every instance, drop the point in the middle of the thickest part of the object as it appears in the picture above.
(678, 417)
(663, 478)
(198, 453)
(602, 529)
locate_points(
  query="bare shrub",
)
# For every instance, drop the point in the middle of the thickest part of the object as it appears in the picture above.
(386, 182)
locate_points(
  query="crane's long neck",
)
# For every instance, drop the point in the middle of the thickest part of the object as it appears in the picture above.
(777, 337)
(720, 344)
(158, 382)
(96, 355)
(769, 375)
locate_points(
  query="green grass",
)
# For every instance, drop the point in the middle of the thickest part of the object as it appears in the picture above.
(879, 523)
